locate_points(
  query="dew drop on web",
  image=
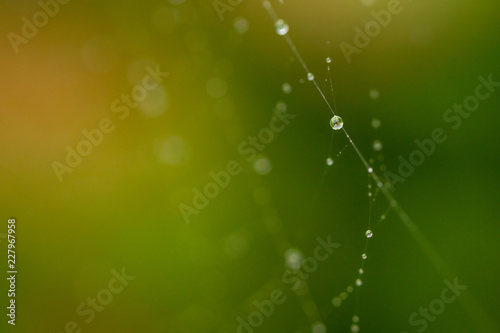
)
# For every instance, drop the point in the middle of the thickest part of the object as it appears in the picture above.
(281, 27)
(336, 123)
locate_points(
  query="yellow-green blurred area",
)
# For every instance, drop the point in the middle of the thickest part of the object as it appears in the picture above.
(119, 208)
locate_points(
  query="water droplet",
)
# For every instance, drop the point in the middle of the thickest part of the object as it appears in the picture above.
(286, 87)
(374, 94)
(328, 60)
(310, 76)
(376, 123)
(370, 170)
(262, 166)
(382, 217)
(343, 295)
(293, 258)
(336, 302)
(318, 327)
(361, 271)
(377, 145)
(281, 106)
(240, 25)
(336, 123)
(329, 161)
(359, 282)
(355, 319)
(354, 328)
(349, 289)
(281, 27)
(364, 256)
(369, 233)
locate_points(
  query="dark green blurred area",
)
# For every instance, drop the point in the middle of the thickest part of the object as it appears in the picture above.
(120, 207)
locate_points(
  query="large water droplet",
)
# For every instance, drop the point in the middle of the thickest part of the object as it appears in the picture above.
(336, 123)
(281, 27)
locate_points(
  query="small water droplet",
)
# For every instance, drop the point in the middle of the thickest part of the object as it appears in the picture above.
(310, 76)
(361, 271)
(354, 328)
(355, 319)
(370, 170)
(281, 106)
(349, 289)
(376, 123)
(364, 256)
(240, 25)
(262, 166)
(328, 60)
(293, 258)
(329, 161)
(336, 302)
(374, 94)
(382, 217)
(336, 123)
(281, 27)
(359, 282)
(343, 295)
(286, 87)
(318, 327)
(369, 233)
(377, 145)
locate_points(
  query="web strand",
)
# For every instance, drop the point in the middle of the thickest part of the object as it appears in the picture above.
(467, 301)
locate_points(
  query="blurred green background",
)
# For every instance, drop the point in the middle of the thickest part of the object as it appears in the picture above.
(120, 207)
